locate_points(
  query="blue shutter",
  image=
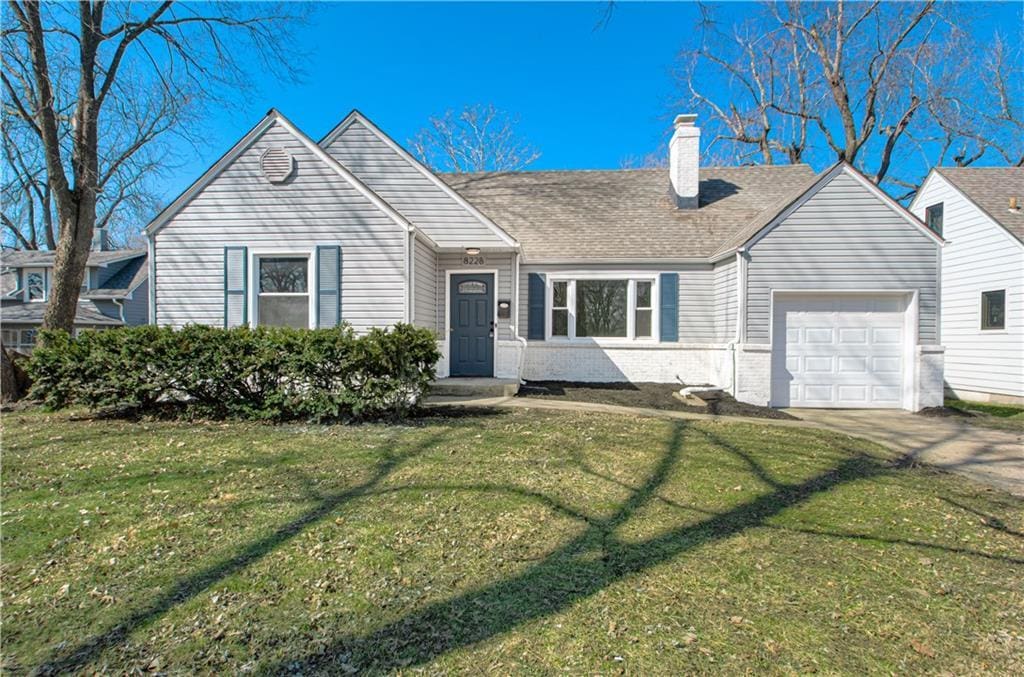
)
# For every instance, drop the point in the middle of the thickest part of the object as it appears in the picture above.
(536, 292)
(236, 286)
(328, 286)
(669, 319)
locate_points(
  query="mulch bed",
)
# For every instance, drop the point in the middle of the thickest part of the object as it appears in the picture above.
(646, 395)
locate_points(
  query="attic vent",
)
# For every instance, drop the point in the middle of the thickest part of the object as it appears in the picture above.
(277, 164)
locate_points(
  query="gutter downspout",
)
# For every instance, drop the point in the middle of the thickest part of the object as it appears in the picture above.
(151, 264)
(741, 302)
(515, 319)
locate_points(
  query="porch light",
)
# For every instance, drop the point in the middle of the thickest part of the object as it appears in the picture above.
(472, 251)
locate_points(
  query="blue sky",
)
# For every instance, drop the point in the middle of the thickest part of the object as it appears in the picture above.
(586, 97)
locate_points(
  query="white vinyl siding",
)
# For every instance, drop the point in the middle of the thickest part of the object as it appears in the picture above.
(404, 187)
(979, 256)
(425, 293)
(316, 206)
(843, 238)
(503, 262)
(725, 300)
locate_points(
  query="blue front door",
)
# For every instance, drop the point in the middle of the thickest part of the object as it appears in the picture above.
(471, 336)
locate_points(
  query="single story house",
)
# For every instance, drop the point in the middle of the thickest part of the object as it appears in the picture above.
(115, 291)
(783, 286)
(980, 213)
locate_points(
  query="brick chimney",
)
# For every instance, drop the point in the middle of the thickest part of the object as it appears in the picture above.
(100, 240)
(684, 161)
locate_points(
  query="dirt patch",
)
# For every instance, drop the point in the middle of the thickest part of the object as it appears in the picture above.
(647, 395)
(944, 412)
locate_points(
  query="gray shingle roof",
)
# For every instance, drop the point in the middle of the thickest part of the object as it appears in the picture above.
(19, 312)
(617, 214)
(991, 189)
(131, 275)
(20, 258)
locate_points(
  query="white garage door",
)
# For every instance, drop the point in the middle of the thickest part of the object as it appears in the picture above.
(838, 351)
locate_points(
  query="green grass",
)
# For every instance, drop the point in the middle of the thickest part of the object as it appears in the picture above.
(511, 542)
(1001, 416)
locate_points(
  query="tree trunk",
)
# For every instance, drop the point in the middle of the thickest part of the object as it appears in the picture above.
(69, 265)
(14, 381)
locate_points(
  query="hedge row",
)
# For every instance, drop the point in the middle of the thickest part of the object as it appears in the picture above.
(269, 374)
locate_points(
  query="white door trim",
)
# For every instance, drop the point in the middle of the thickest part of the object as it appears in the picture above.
(448, 312)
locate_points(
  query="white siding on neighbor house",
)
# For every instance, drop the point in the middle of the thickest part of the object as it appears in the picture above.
(725, 300)
(425, 287)
(979, 256)
(843, 238)
(503, 262)
(404, 187)
(315, 206)
(697, 291)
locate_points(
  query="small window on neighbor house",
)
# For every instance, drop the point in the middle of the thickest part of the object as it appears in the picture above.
(35, 285)
(284, 292)
(993, 309)
(933, 218)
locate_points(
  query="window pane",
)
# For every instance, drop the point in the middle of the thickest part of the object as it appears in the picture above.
(472, 287)
(36, 286)
(601, 307)
(643, 294)
(933, 217)
(280, 275)
(643, 323)
(28, 337)
(284, 311)
(993, 309)
(560, 292)
(559, 322)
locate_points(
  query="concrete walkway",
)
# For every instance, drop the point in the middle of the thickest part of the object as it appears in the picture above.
(993, 457)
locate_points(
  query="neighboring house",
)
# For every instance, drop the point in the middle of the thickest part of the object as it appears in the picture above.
(782, 286)
(115, 291)
(979, 213)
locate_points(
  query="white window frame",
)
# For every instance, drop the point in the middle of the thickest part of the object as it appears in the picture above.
(46, 285)
(254, 281)
(631, 277)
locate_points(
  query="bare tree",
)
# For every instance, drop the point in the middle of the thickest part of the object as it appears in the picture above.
(478, 138)
(875, 84)
(90, 88)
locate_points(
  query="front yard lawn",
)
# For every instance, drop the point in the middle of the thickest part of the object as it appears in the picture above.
(496, 542)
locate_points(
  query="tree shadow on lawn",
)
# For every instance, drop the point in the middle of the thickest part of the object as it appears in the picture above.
(81, 654)
(579, 568)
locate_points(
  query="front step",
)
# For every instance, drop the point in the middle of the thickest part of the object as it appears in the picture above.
(474, 387)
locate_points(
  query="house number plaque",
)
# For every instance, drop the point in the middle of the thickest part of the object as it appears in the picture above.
(473, 260)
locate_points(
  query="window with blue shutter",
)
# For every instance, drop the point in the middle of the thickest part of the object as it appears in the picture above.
(236, 286)
(535, 307)
(328, 286)
(669, 321)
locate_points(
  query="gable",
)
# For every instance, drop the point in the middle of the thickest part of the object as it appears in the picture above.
(426, 201)
(273, 132)
(843, 203)
(962, 209)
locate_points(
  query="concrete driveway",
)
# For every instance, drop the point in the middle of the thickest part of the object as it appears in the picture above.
(991, 456)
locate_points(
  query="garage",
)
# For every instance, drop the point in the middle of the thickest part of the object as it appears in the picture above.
(839, 350)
